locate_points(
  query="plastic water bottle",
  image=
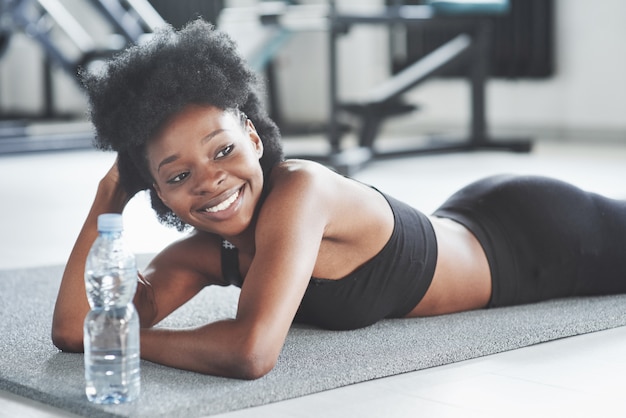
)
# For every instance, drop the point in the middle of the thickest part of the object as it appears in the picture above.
(111, 329)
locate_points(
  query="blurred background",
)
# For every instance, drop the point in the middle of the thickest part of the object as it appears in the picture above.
(556, 67)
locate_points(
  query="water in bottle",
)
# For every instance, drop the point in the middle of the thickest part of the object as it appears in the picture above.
(111, 330)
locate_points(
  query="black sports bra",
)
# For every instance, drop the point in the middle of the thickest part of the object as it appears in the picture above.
(389, 285)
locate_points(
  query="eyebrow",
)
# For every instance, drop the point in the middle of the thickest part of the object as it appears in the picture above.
(167, 160)
(175, 157)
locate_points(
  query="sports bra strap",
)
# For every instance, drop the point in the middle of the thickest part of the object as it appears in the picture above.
(230, 264)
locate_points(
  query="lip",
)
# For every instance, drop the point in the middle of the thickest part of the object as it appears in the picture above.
(224, 197)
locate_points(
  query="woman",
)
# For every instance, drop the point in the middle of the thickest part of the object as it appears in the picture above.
(303, 242)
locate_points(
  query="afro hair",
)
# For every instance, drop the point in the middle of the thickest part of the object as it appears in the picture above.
(139, 90)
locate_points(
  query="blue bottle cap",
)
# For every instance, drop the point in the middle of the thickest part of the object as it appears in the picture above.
(110, 222)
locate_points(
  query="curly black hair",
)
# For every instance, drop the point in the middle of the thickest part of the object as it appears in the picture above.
(140, 89)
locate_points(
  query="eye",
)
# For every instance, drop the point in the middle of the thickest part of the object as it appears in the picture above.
(178, 178)
(225, 151)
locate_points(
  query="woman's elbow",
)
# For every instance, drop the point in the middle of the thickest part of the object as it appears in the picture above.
(66, 339)
(255, 369)
(254, 362)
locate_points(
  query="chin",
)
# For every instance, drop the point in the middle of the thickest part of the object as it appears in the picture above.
(225, 231)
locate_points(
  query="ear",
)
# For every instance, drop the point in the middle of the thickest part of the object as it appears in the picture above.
(254, 138)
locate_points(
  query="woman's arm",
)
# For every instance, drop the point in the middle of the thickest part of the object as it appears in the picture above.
(155, 288)
(171, 278)
(288, 235)
(71, 305)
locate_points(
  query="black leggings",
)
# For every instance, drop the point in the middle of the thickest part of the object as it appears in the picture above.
(543, 238)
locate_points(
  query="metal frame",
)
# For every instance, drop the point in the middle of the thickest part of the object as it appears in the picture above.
(384, 100)
(132, 19)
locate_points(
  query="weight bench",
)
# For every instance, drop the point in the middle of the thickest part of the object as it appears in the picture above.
(384, 101)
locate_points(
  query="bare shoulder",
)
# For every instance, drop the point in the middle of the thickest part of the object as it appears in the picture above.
(344, 204)
(293, 178)
(305, 188)
(338, 190)
(300, 171)
(296, 191)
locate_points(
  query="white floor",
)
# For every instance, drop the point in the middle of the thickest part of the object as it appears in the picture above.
(46, 196)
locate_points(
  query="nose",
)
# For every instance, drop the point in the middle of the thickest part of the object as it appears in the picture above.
(208, 179)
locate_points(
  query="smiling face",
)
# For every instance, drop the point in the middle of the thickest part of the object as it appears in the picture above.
(205, 166)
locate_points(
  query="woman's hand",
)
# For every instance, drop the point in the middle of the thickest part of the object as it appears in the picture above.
(111, 188)
(133, 181)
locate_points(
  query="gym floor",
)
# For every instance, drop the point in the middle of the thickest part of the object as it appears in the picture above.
(46, 196)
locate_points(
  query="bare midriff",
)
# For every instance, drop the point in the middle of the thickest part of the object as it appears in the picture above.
(462, 279)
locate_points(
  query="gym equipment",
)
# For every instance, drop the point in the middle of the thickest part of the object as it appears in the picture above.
(384, 101)
(68, 44)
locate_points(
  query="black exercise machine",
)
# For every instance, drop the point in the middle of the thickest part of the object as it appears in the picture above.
(468, 48)
(67, 44)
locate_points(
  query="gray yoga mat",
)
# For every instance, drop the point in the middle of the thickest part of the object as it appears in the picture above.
(312, 360)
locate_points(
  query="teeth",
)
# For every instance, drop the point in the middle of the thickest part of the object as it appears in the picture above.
(225, 204)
